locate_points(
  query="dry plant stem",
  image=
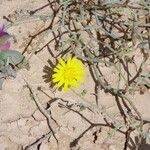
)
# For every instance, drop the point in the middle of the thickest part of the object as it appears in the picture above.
(101, 110)
(127, 134)
(40, 8)
(124, 98)
(42, 109)
(102, 84)
(37, 142)
(138, 72)
(140, 117)
(92, 125)
(93, 60)
(70, 9)
(46, 29)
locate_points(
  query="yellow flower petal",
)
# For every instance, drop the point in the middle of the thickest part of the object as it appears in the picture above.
(59, 67)
(56, 70)
(60, 83)
(80, 78)
(65, 86)
(56, 75)
(74, 83)
(69, 61)
(62, 62)
(68, 73)
(56, 80)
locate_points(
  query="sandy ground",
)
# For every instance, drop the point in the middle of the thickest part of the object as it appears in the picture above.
(21, 122)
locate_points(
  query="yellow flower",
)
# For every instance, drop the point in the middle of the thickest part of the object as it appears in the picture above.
(67, 73)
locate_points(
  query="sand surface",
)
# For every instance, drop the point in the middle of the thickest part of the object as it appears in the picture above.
(22, 123)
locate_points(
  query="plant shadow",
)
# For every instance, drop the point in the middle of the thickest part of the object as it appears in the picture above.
(48, 72)
(143, 146)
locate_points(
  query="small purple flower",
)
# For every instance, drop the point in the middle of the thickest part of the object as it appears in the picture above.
(4, 39)
(2, 32)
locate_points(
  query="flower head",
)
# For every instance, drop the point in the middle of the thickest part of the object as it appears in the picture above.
(4, 36)
(67, 73)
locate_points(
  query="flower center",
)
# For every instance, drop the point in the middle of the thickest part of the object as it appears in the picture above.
(69, 73)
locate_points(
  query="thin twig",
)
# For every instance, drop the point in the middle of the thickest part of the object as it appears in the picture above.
(42, 109)
(38, 142)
